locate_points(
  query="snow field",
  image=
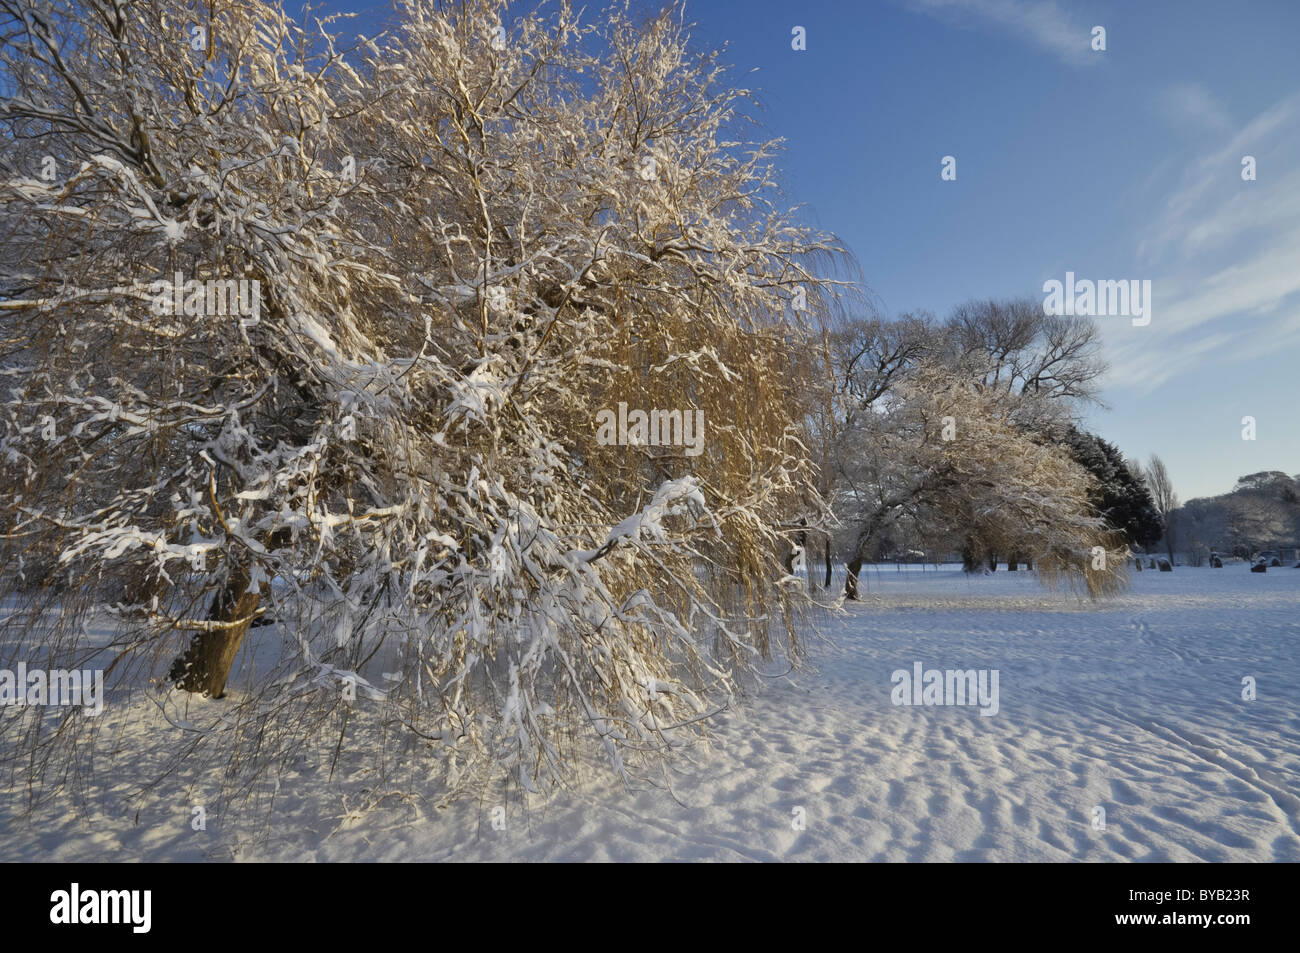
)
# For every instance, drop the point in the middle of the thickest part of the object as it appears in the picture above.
(1134, 706)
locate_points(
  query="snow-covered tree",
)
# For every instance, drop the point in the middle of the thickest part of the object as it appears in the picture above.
(315, 332)
(1008, 377)
(941, 458)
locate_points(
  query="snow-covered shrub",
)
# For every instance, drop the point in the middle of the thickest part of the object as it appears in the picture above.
(464, 242)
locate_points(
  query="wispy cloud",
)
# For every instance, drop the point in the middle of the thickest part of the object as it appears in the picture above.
(1225, 256)
(1043, 23)
(1213, 181)
(1193, 106)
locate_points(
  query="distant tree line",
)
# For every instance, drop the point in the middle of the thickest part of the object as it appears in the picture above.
(1261, 512)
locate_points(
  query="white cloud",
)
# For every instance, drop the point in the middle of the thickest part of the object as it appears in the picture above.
(1044, 23)
(1191, 104)
(1271, 131)
(1224, 256)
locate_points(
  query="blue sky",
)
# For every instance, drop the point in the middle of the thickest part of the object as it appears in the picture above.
(1123, 164)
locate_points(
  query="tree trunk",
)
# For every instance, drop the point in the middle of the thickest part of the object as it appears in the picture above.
(851, 580)
(205, 666)
(828, 562)
(968, 557)
(799, 544)
(1029, 564)
(1011, 563)
(141, 586)
(993, 562)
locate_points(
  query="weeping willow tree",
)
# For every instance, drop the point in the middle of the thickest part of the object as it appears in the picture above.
(305, 341)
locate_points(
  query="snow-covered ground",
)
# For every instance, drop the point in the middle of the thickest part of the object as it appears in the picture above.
(1134, 706)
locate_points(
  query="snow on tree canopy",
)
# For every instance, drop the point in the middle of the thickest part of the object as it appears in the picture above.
(354, 477)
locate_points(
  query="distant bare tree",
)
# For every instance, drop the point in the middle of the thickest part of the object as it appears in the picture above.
(1166, 500)
(1014, 347)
